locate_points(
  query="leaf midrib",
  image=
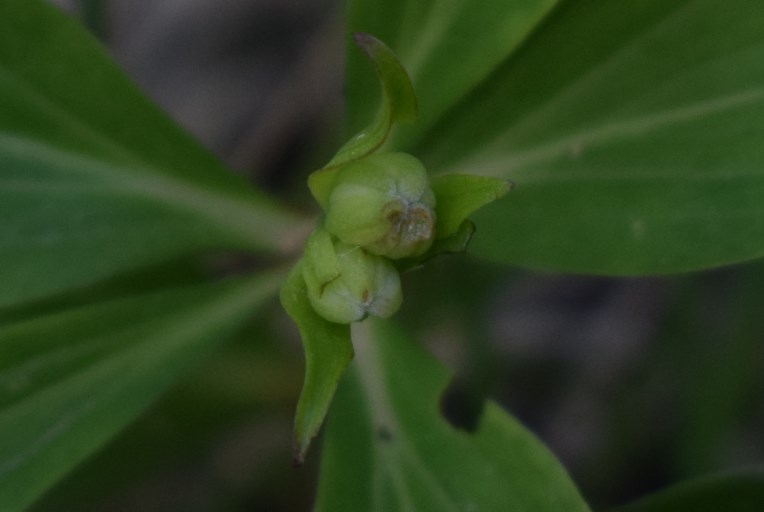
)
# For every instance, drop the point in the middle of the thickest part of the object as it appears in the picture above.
(541, 115)
(259, 226)
(485, 163)
(382, 412)
(54, 109)
(178, 327)
(249, 221)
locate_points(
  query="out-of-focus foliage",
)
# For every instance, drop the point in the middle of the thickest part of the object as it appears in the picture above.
(742, 491)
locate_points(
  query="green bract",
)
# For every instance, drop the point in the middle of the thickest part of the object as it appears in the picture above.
(384, 203)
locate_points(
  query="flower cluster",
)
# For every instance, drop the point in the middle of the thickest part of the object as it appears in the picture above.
(380, 208)
(383, 215)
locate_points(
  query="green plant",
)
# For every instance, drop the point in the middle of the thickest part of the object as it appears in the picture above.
(632, 131)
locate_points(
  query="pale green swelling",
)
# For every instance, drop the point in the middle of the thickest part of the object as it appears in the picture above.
(362, 285)
(384, 203)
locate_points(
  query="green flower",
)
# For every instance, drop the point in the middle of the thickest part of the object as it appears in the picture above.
(383, 203)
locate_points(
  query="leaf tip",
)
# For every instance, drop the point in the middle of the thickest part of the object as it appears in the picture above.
(399, 97)
(298, 455)
(502, 187)
(365, 42)
(300, 445)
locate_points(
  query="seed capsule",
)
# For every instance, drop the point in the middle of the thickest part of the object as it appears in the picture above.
(346, 284)
(383, 203)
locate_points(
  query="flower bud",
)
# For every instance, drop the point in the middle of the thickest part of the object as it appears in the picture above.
(362, 284)
(384, 203)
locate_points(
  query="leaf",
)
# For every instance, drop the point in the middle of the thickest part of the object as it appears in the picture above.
(633, 134)
(398, 105)
(93, 179)
(388, 448)
(735, 491)
(328, 351)
(459, 195)
(70, 380)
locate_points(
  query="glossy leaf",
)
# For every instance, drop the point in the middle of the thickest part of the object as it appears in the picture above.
(388, 448)
(70, 380)
(738, 491)
(398, 105)
(328, 351)
(93, 179)
(633, 134)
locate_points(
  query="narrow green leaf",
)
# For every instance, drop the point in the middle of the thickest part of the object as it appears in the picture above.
(735, 491)
(70, 221)
(459, 195)
(93, 179)
(328, 351)
(388, 448)
(70, 380)
(398, 105)
(633, 133)
(59, 85)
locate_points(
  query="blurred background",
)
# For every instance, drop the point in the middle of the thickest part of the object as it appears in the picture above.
(632, 383)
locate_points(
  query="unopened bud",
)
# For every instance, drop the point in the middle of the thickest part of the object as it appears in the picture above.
(384, 203)
(363, 284)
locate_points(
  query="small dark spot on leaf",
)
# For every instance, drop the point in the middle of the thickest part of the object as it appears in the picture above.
(461, 406)
(384, 434)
